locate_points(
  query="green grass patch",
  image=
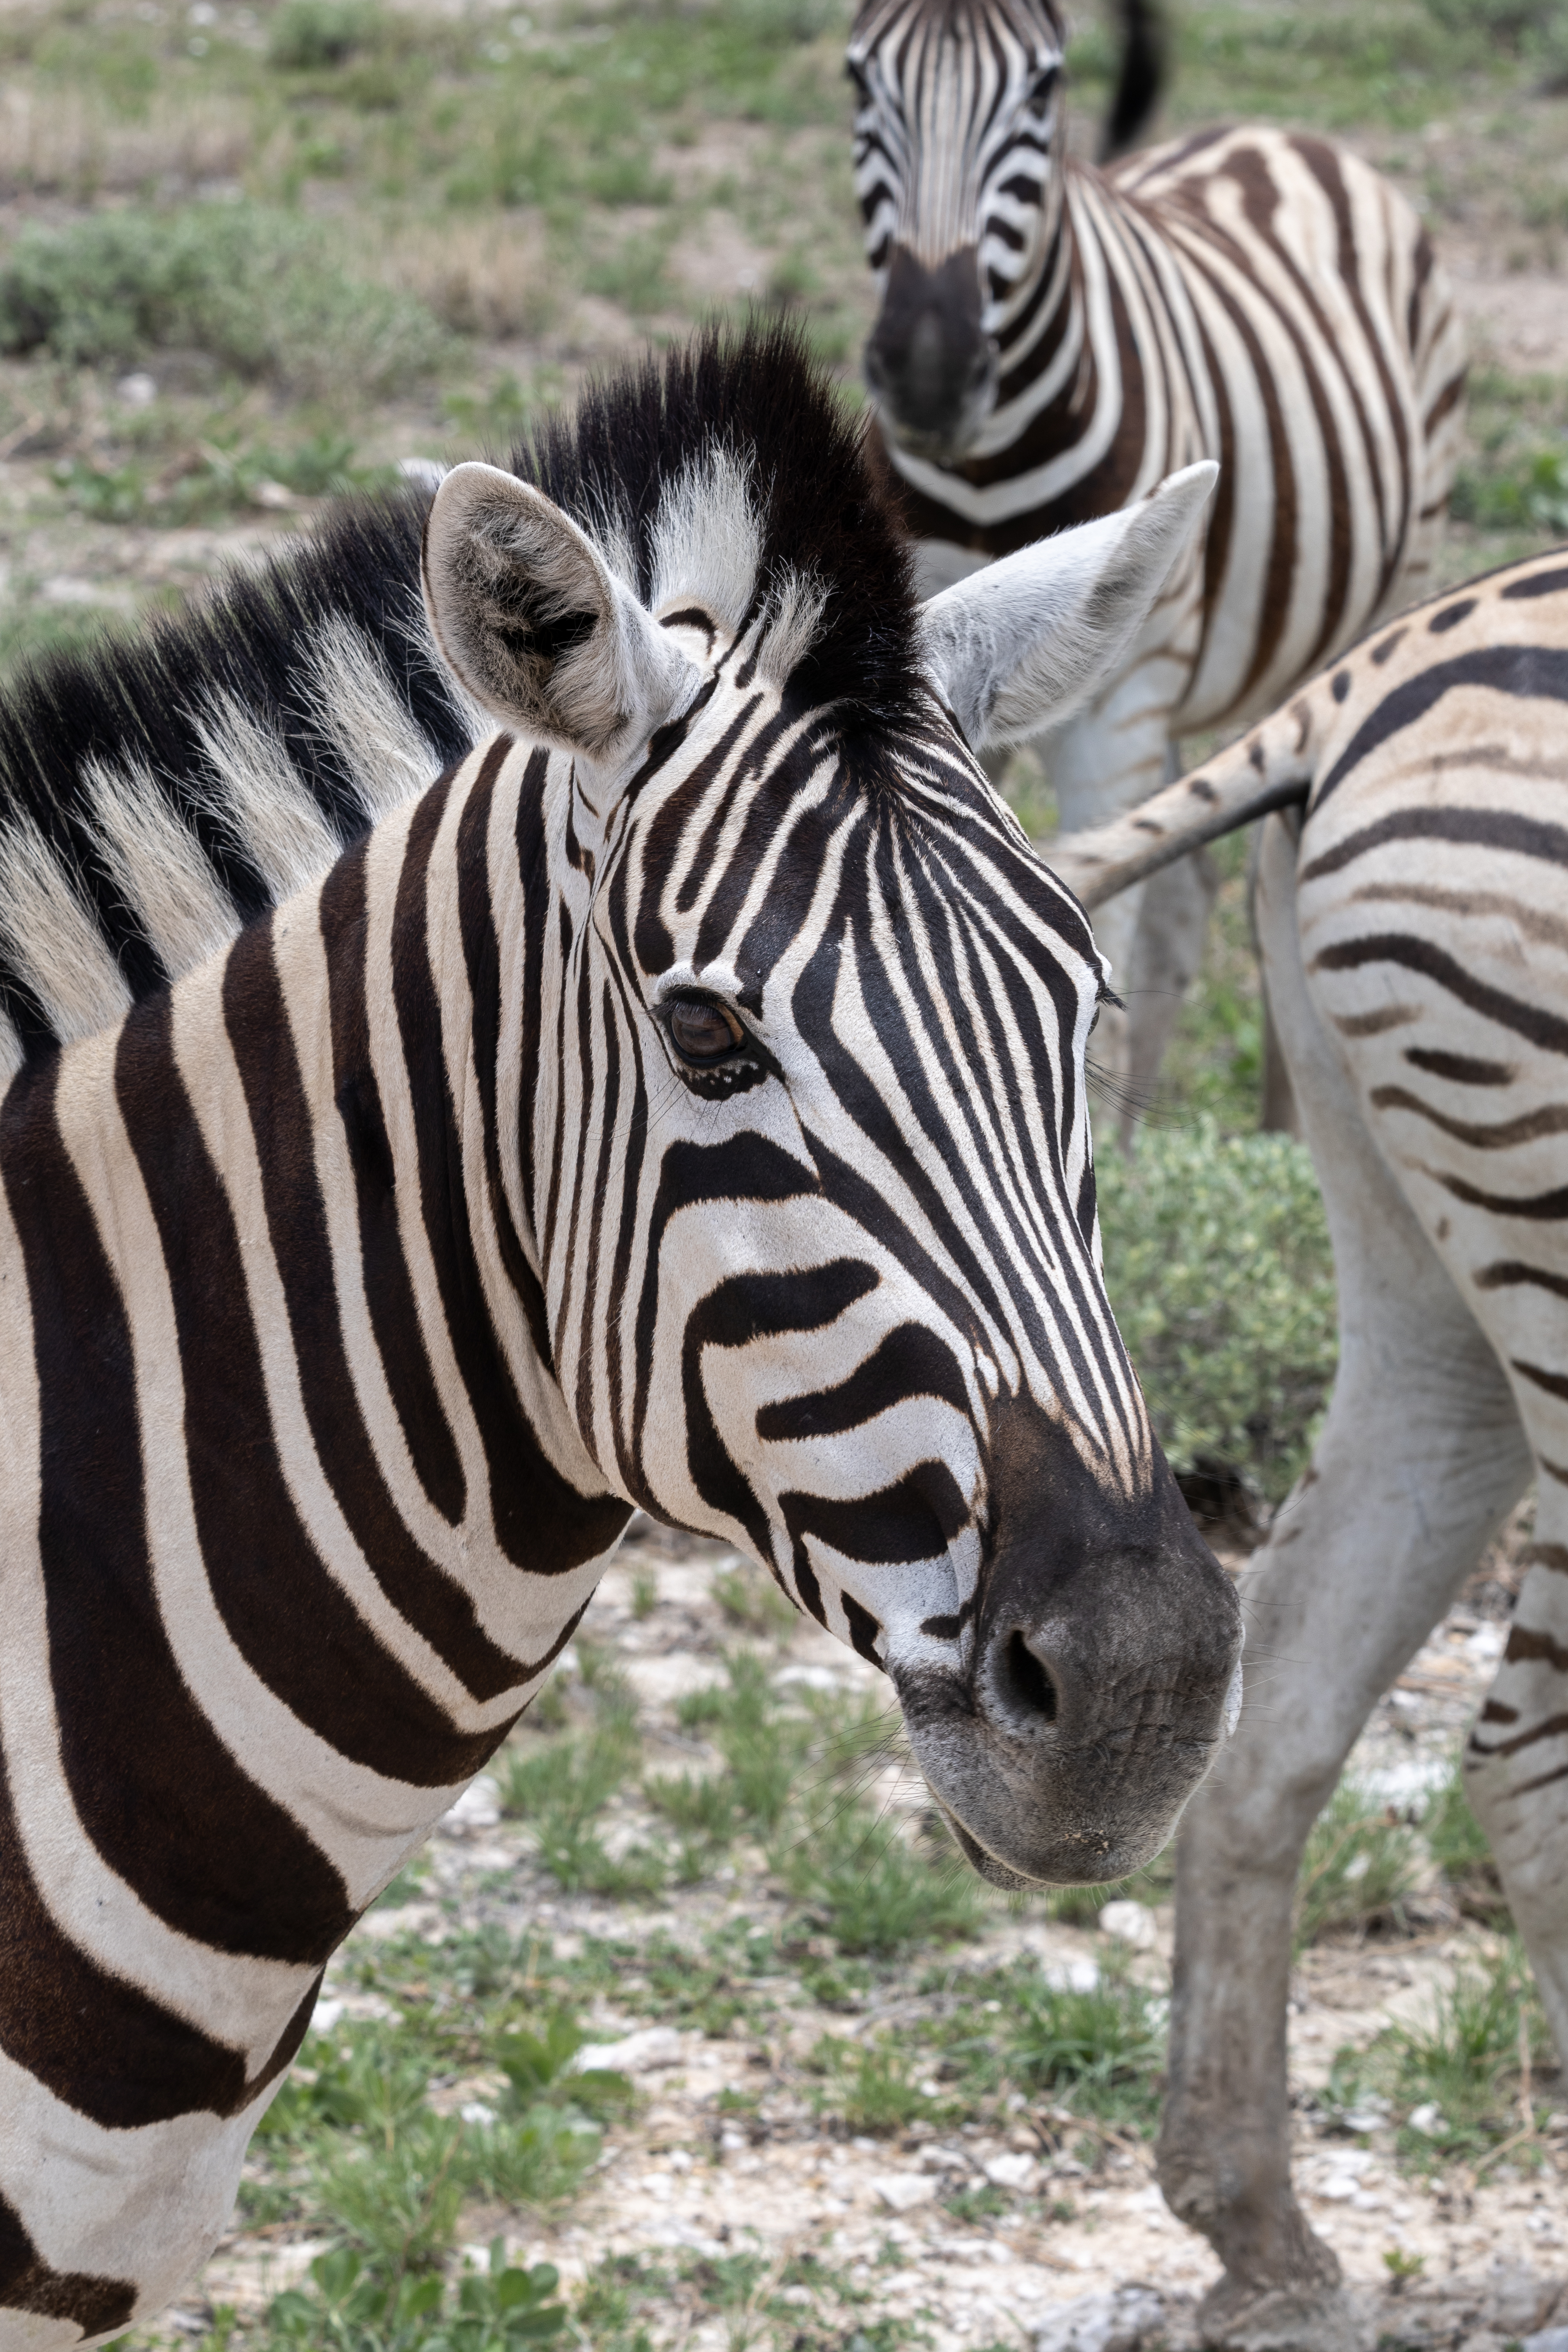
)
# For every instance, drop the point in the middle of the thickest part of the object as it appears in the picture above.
(1456, 2083)
(260, 290)
(1457, 1844)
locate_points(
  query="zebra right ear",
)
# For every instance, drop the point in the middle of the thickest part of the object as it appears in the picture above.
(1025, 643)
(530, 620)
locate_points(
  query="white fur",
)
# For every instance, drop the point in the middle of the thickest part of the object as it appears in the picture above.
(52, 936)
(159, 866)
(389, 758)
(260, 797)
(1025, 643)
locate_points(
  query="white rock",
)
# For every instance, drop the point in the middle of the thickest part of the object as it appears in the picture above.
(1101, 2323)
(943, 2159)
(138, 391)
(325, 2015)
(478, 1807)
(475, 2112)
(1129, 1923)
(1427, 2118)
(1016, 2171)
(638, 2053)
(901, 2191)
(1546, 2339)
(1071, 1976)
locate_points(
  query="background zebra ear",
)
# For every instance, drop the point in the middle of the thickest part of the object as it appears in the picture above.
(530, 620)
(1023, 644)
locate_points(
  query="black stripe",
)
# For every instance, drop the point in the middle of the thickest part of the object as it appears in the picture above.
(159, 1793)
(1524, 671)
(1547, 1030)
(1482, 828)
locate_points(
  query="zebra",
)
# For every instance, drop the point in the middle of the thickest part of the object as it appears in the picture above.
(587, 1037)
(1053, 339)
(1412, 911)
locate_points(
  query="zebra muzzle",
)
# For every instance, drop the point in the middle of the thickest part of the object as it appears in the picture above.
(929, 364)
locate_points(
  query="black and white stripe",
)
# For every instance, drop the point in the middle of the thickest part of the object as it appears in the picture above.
(676, 1101)
(1412, 918)
(1055, 339)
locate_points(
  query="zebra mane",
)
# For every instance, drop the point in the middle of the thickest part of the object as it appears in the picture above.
(158, 793)
(728, 474)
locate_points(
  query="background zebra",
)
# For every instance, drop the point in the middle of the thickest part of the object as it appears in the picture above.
(1415, 938)
(679, 1102)
(1053, 340)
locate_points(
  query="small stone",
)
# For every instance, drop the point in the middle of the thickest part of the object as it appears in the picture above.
(478, 1807)
(1546, 2339)
(1129, 1923)
(1101, 2323)
(139, 390)
(1427, 2119)
(638, 2053)
(900, 2192)
(1016, 2171)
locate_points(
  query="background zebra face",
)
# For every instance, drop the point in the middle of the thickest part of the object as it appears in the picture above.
(805, 1148)
(955, 129)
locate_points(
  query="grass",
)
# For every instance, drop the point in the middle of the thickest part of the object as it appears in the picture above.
(1360, 1864)
(1462, 2085)
(1457, 1844)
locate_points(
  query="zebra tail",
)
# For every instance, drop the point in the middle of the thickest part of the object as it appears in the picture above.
(1145, 57)
(1271, 768)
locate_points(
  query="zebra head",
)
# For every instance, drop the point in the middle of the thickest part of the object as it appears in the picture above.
(803, 1150)
(957, 125)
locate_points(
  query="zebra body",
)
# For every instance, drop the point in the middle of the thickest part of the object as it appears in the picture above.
(1054, 338)
(679, 1101)
(1411, 913)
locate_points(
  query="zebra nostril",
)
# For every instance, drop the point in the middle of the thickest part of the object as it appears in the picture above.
(1023, 1683)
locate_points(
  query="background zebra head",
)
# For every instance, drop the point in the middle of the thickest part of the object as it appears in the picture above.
(957, 141)
(803, 1157)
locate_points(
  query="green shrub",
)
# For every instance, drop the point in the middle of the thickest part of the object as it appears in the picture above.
(308, 35)
(1455, 2083)
(870, 2083)
(352, 2306)
(1218, 1266)
(871, 1892)
(258, 289)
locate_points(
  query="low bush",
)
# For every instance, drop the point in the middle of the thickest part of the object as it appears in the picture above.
(1218, 1266)
(1457, 1844)
(258, 289)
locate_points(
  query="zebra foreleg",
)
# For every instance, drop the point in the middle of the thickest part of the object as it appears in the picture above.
(1421, 1453)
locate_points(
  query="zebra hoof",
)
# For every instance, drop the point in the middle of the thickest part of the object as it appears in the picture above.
(1307, 2317)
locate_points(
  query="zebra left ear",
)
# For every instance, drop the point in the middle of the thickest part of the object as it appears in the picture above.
(1025, 643)
(531, 621)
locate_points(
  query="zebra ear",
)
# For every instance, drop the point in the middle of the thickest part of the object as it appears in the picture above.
(530, 620)
(1023, 644)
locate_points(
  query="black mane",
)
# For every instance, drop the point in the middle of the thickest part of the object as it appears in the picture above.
(823, 511)
(136, 702)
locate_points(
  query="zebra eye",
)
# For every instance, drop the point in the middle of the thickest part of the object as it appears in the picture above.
(1044, 89)
(702, 1030)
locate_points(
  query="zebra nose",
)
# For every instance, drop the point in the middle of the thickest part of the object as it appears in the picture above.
(928, 362)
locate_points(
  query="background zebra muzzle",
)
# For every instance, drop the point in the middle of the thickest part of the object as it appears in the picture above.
(929, 364)
(1099, 1689)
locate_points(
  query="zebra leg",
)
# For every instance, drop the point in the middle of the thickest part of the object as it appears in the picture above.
(1421, 1453)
